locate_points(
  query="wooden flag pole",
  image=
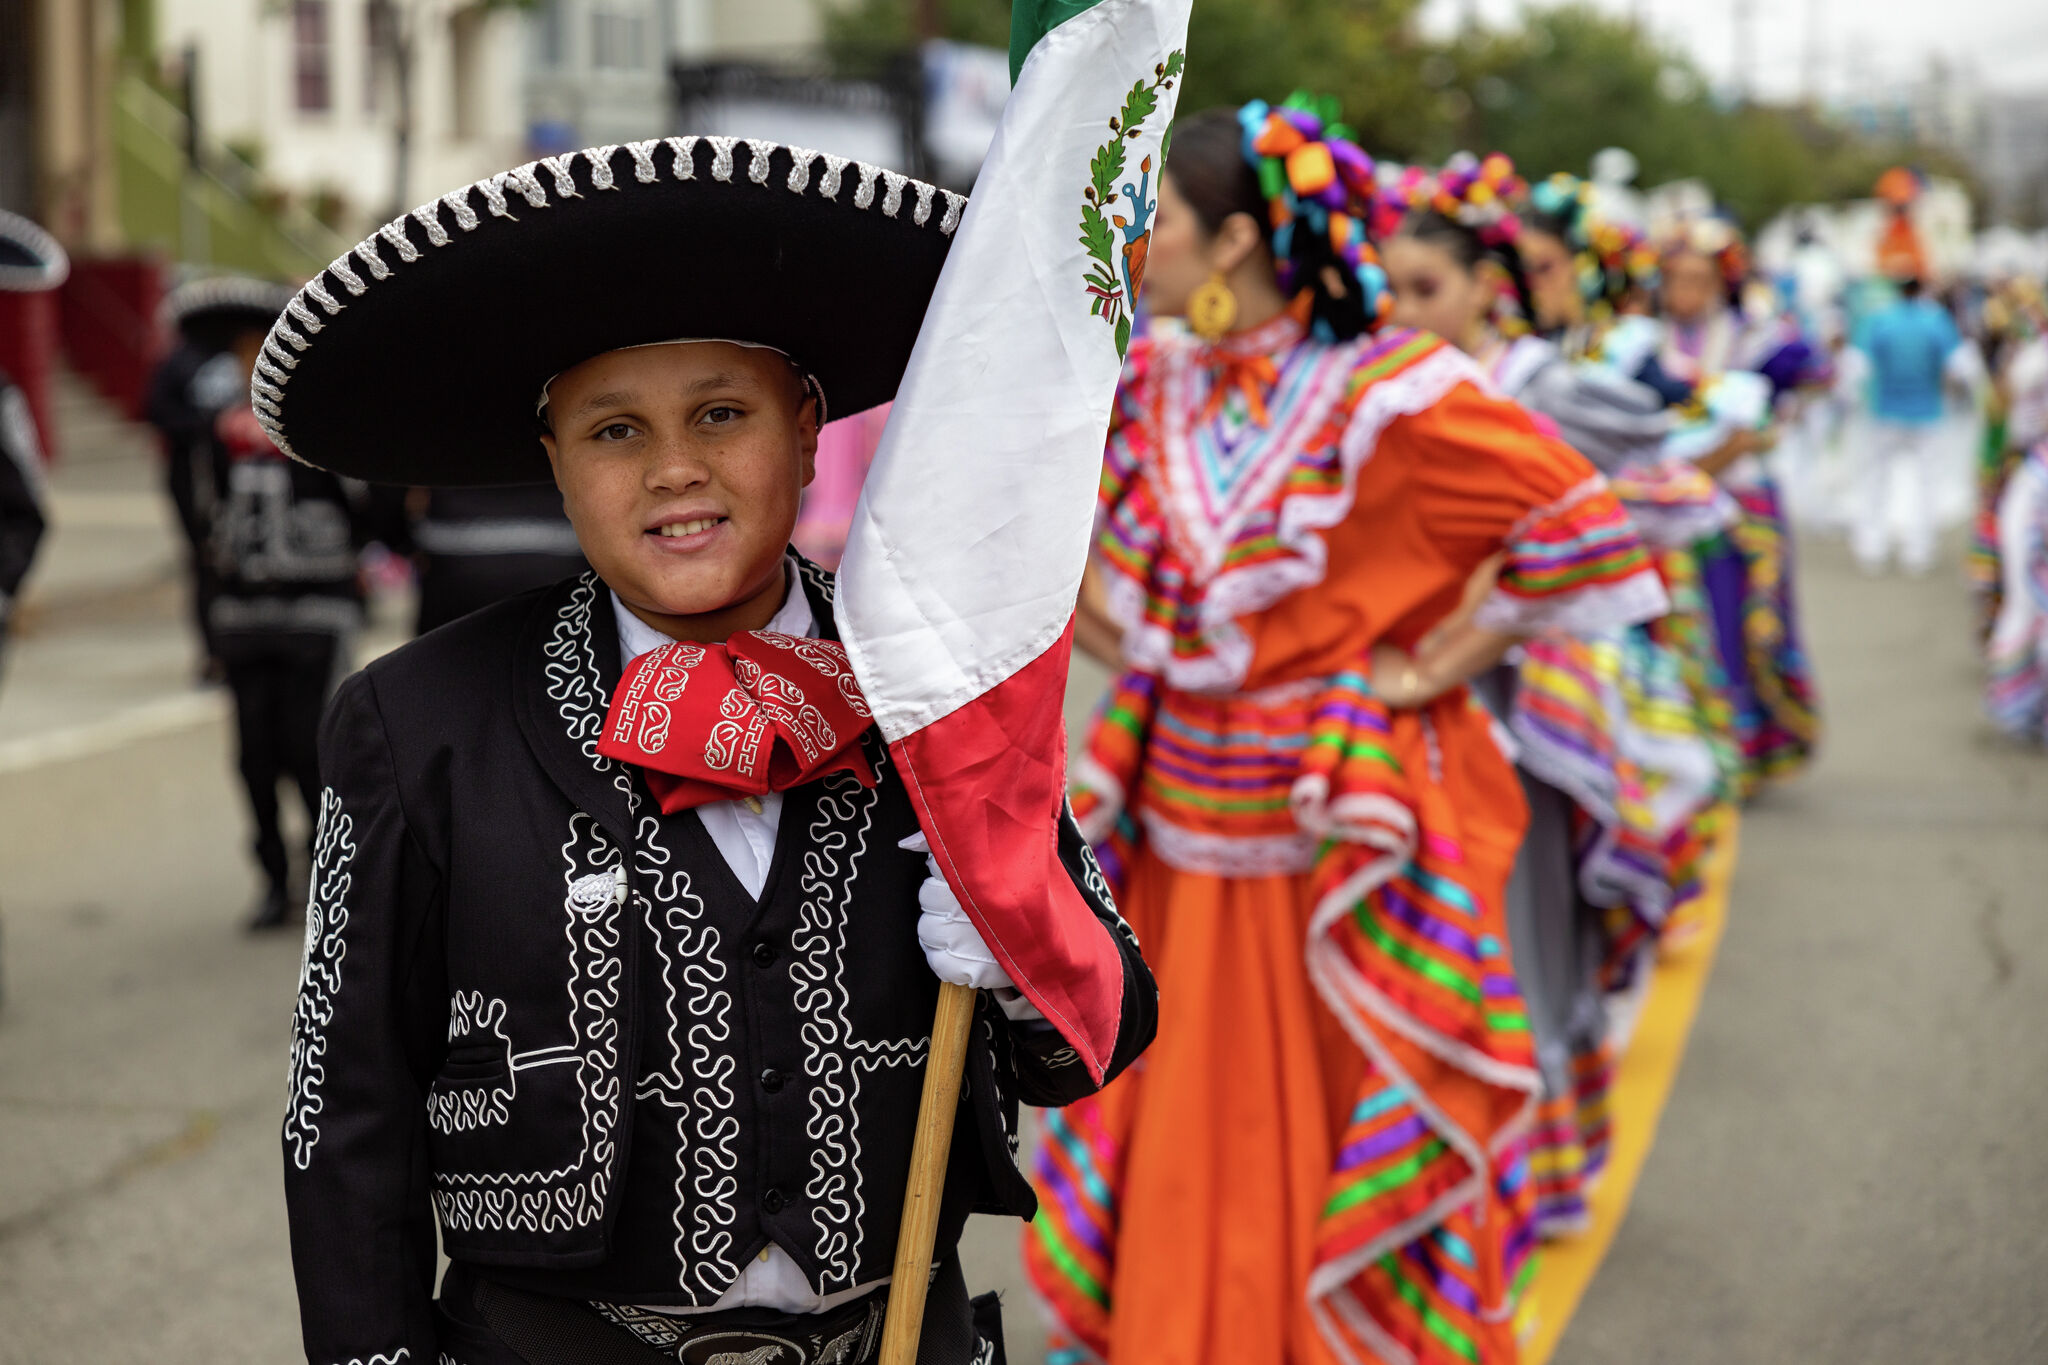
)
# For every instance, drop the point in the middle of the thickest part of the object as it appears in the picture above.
(944, 1065)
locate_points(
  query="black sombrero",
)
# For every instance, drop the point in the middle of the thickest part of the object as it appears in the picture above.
(214, 311)
(416, 357)
(30, 259)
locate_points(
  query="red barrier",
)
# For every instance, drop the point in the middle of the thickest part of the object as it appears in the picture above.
(28, 353)
(109, 325)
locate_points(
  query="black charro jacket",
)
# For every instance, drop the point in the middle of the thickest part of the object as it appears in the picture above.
(538, 1010)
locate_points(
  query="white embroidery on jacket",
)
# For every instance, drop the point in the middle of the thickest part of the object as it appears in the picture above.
(707, 1164)
(592, 925)
(462, 1104)
(834, 1058)
(319, 973)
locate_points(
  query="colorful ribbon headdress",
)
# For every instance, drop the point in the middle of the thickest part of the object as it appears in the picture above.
(1320, 188)
(1714, 236)
(1611, 257)
(1480, 193)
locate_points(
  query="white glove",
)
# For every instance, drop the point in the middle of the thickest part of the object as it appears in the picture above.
(954, 947)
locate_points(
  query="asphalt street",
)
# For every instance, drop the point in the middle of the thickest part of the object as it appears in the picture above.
(1850, 1170)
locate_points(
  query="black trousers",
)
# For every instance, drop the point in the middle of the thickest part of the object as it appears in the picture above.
(280, 693)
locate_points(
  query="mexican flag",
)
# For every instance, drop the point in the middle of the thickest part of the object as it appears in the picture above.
(956, 593)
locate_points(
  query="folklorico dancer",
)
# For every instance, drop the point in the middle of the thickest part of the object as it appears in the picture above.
(2017, 691)
(1590, 279)
(1615, 765)
(1735, 371)
(635, 892)
(1309, 818)
(2015, 360)
(30, 262)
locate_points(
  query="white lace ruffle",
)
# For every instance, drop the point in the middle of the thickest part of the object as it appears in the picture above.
(1675, 527)
(1588, 611)
(1302, 518)
(1370, 818)
(1221, 855)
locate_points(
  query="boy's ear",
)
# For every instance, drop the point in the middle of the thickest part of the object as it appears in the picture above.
(547, 441)
(807, 438)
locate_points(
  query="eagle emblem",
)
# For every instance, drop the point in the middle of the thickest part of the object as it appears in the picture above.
(1113, 206)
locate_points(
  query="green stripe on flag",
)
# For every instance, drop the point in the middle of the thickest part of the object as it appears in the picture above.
(1031, 20)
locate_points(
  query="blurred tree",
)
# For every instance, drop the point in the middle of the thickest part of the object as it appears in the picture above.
(1567, 82)
(1550, 91)
(861, 37)
(1363, 51)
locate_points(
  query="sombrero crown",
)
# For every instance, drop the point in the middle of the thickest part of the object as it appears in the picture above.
(214, 309)
(415, 357)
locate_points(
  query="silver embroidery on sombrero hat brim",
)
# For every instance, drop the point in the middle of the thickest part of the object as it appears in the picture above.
(442, 225)
(45, 267)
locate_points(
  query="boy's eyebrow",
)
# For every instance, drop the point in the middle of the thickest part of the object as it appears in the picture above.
(723, 380)
(618, 398)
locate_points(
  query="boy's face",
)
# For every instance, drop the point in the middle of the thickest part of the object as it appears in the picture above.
(681, 468)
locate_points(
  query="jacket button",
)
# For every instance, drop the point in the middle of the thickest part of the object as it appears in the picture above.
(772, 1200)
(771, 1080)
(765, 955)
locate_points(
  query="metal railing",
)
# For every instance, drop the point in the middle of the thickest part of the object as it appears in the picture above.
(205, 211)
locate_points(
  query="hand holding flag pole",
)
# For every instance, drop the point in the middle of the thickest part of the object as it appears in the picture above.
(956, 596)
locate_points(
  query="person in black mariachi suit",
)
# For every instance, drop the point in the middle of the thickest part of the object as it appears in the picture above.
(645, 1046)
(477, 546)
(198, 379)
(30, 262)
(283, 598)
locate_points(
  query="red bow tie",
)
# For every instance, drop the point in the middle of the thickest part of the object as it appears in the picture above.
(760, 713)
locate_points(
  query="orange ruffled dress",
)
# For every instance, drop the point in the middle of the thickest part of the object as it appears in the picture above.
(1317, 1160)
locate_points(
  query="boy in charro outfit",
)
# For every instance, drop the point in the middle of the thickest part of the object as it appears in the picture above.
(623, 943)
(281, 595)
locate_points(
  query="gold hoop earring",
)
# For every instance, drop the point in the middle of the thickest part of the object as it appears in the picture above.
(1212, 309)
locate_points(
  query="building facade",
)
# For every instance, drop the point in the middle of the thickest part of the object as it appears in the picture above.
(597, 71)
(309, 91)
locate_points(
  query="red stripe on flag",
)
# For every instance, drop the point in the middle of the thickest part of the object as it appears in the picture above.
(989, 784)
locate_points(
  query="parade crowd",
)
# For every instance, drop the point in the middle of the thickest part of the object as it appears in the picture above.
(1444, 561)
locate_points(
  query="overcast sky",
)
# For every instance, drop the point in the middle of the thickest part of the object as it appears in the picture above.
(1863, 42)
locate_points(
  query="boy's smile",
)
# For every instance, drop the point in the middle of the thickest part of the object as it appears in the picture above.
(682, 467)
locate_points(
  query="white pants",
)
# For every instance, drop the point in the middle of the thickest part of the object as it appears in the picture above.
(1899, 451)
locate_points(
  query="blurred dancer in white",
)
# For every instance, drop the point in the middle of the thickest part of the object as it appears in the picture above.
(1911, 349)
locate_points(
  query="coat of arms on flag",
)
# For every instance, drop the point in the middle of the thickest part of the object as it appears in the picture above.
(1113, 278)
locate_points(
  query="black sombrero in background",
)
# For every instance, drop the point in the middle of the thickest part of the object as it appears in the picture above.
(213, 312)
(30, 259)
(416, 358)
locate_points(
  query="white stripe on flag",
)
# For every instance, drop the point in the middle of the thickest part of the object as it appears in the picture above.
(966, 550)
